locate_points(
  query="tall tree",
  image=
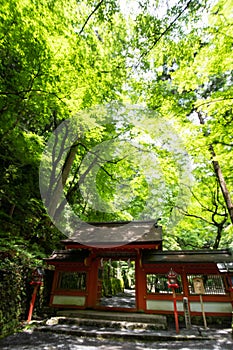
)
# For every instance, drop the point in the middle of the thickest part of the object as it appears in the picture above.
(190, 83)
(61, 57)
(51, 66)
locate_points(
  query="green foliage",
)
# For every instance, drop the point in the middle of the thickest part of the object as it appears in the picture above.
(116, 277)
(60, 58)
(15, 270)
(16, 267)
(65, 59)
(191, 83)
(116, 285)
(48, 72)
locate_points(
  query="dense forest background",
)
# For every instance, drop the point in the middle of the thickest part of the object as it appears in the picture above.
(152, 81)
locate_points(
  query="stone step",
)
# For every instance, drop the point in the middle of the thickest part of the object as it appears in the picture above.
(97, 323)
(107, 324)
(115, 316)
(124, 335)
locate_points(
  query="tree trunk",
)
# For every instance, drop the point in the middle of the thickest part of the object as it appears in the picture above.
(222, 183)
(55, 198)
(219, 235)
(219, 174)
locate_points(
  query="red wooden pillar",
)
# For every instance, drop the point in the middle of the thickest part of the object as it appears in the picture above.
(140, 284)
(32, 303)
(175, 310)
(92, 283)
(54, 285)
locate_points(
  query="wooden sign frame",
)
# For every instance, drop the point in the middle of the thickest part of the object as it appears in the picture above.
(198, 285)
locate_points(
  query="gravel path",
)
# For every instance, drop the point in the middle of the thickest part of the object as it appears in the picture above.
(29, 340)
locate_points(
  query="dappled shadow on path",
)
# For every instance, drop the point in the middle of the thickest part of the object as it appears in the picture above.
(124, 299)
(29, 340)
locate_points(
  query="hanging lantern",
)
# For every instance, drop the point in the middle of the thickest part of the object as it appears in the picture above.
(172, 279)
(37, 276)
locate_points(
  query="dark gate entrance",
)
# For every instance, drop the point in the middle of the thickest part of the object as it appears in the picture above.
(116, 284)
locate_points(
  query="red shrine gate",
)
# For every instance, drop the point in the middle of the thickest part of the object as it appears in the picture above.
(79, 269)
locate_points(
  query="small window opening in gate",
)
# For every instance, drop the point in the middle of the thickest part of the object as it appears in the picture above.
(72, 280)
(158, 283)
(213, 284)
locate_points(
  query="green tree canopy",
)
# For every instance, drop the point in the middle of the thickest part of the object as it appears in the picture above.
(171, 154)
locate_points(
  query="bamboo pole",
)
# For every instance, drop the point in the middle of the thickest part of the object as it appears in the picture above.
(203, 311)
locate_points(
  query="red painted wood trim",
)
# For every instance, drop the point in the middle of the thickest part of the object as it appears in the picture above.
(92, 284)
(124, 247)
(140, 284)
(54, 285)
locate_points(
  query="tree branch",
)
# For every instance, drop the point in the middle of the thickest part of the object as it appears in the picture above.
(21, 94)
(213, 101)
(215, 142)
(108, 173)
(194, 215)
(181, 243)
(164, 32)
(197, 199)
(91, 14)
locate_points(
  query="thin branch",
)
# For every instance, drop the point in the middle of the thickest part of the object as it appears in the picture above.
(217, 201)
(108, 173)
(22, 93)
(91, 14)
(213, 101)
(197, 199)
(164, 32)
(215, 142)
(194, 215)
(227, 35)
(181, 242)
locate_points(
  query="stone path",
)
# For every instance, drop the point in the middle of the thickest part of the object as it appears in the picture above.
(89, 330)
(29, 340)
(125, 300)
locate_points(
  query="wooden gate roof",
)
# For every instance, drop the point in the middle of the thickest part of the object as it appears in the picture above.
(188, 256)
(119, 233)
